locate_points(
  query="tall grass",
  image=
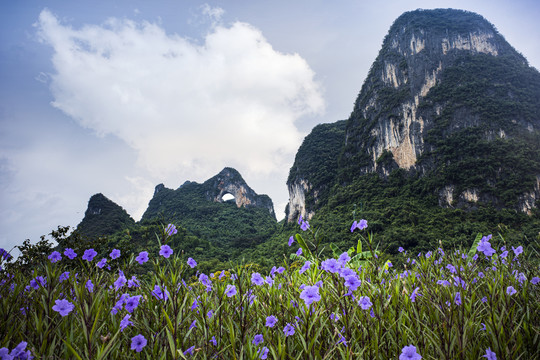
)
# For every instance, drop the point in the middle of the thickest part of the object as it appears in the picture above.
(445, 304)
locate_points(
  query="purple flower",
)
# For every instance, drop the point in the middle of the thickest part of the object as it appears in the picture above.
(189, 351)
(306, 266)
(344, 258)
(291, 240)
(142, 258)
(280, 270)
(288, 330)
(304, 226)
(125, 322)
(64, 276)
(443, 282)
(510, 290)
(517, 250)
(213, 340)
(263, 353)
(160, 294)
(257, 279)
(132, 302)
(504, 254)
(485, 246)
(210, 313)
(133, 282)
(310, 294)
(230, 291)
(364, 303)
(331, 265)
(38, 281)
(171, 230)
(55, 256)
(89, 254)
(193, 324)
(192, 263)
(120, 282)
(400, 249)
(63, 307)
(451, 268)
(409, 353)
(101, 263)
(138, 342)
(205, 280)
(17, 353)
(257, 339)
(535, 280)
(457, 299)
(70, 253)
(89, 285)
(165, 251)
(490, 355)
(115, 254)
(414, 294)
(345, 272)
(362, 224)
(271, 321)
(352, 282)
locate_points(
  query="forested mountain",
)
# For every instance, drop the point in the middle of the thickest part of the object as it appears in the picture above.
(443, 140)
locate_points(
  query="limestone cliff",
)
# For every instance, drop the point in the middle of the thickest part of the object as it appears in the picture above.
(449, 100)
(419, 48)
(228, 181)
(314, 171)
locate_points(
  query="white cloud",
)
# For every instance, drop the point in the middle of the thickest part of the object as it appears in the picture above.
(187, 109)
(214, 13)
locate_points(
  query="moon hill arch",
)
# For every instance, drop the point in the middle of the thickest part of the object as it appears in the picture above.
(202, 209)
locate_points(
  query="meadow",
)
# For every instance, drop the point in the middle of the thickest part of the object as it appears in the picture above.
(482, 302)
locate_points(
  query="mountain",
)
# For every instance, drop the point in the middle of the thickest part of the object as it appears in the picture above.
(447, 123)
(103, 217)
(198, 209)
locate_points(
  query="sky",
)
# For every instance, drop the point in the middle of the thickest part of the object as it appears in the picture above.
(118, 96)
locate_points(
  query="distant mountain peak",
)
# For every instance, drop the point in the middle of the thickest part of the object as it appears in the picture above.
(229, 181)
(103, 217)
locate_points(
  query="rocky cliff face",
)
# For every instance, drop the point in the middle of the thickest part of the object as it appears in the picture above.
(314, 171)
(420, 46)
(444, 94)
(229, 181)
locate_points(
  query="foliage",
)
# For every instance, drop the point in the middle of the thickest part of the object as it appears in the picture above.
(103, 217)
(448, 304)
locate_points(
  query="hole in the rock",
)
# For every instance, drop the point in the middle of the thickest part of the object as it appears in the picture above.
(228, 197)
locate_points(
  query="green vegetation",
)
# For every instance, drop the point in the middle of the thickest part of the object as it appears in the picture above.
(445, 304)
(104, 217)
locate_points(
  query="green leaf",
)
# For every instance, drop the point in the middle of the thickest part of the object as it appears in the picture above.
(359, 246)
(303, 245)
(472, 251)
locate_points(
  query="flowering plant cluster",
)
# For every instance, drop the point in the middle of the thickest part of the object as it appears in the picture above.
(444, 304)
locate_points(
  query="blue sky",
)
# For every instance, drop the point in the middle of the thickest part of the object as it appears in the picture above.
(119, 96)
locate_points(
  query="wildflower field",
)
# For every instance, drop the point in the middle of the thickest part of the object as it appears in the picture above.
(482, 302)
